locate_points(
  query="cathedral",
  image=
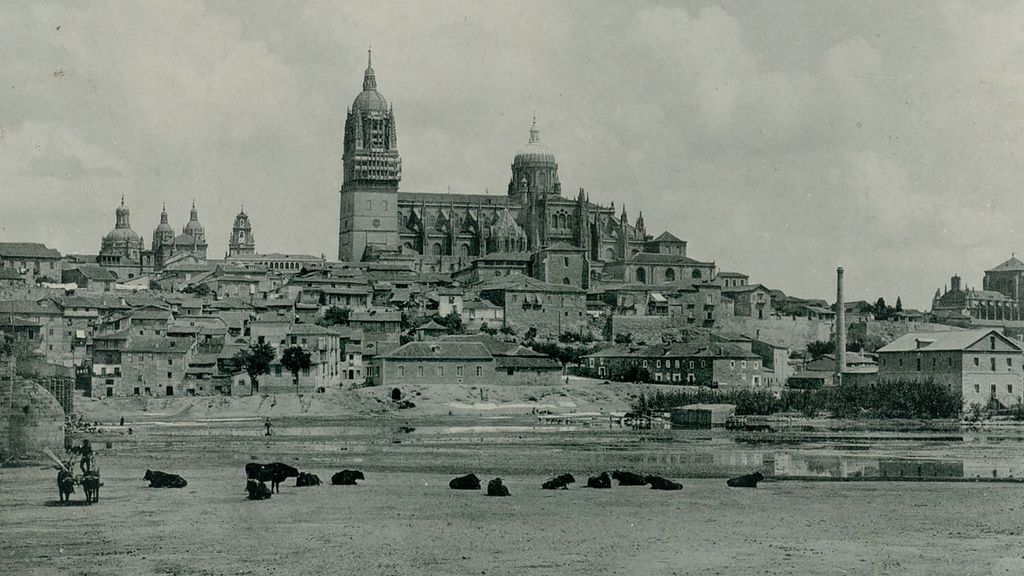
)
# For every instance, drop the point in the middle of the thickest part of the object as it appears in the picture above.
(123, 250)
(378, 221)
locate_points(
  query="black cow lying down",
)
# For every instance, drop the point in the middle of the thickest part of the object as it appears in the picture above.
(467, 482)
(275, 473)
(745, 481)
(65, 485)
(559, 482)
(307, 479)
(159, 479)
(659, 483)
(91, 486)
(257, 489)
(602, 481)
(629, 478)
(496, 488)
(347, 478)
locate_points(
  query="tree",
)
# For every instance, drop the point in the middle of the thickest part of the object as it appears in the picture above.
(607, 332)
(819, 348)
(201, 290)
(295, 359)
(506, 329)
(531, 334)
(623, 338)
(899, 304)
(256, 361)
(453, 322)
(487, 329)
(334, 316)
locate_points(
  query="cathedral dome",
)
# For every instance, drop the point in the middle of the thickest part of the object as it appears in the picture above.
(369, 100)
(535, 152)
(164, 226)
(122, 231)
(193, 228)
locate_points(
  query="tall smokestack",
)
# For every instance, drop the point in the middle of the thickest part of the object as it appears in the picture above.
(840, 324)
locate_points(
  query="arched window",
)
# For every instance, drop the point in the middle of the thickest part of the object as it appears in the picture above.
(641, 275)
(436, 249)
(566, 281)
(609, 254)
(464, 250)
(670, 275)
(696, 274)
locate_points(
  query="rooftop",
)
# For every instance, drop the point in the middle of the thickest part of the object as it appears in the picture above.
(440, 350)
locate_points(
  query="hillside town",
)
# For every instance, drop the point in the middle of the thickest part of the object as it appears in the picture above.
(524, 288)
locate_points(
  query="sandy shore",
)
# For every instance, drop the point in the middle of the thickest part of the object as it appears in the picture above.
(404, 520)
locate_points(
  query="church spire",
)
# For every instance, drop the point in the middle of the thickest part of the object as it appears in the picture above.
(369, 77)
(534, 131)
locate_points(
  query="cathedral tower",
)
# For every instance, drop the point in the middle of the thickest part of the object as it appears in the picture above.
(242, 242)
(372, 170)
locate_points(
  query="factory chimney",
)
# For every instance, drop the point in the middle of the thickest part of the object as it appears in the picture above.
(840, 325)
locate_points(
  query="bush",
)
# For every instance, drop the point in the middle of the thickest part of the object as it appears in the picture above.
(882, 399)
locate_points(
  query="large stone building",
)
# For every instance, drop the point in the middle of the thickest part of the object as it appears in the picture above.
(450, 230)
(982, 366)
(167, 245)
(122, 250)
(965, 306)
(242, 242)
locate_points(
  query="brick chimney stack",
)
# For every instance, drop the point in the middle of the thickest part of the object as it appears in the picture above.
(840, 324)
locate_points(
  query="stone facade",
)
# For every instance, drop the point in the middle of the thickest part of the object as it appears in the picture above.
(153, 366)
(696, 364)
(242, 242)
(30, 261)
(983, 366)
(550, 308)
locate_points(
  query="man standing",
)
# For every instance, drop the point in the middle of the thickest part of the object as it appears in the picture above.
(267, 424)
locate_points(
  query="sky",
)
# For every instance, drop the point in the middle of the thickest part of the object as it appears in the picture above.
(780, 139)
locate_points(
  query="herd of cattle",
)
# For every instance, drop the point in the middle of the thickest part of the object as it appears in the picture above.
(257, 476)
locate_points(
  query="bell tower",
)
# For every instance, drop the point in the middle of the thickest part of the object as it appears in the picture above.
(372, 171)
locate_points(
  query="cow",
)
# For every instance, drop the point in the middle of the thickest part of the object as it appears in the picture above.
(91, 486)
(602, 481)
(659, 483)
(496, 488)
(467, 482)
(629, 478)
(347, 478)
(257, 489)
(307, 479)
(275, 473)
(559, 482)
(745, 481)
(65, 485)
(159, 479)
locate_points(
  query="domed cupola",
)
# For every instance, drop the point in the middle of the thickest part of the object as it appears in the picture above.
(534, 170)
(193, 228)
(163, 234)
(122, 240)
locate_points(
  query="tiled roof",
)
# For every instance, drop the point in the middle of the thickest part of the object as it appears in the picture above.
(44, 307)
(523, 283)
(1011, 265)
(685, 349)
(732, 275)
(562, 247)
(667, 237)
(493, 345)
(375, 316)
(440, 350)
(94, 272)
(942, 341)
(432, 327)
(745, 288)
(9, 274)
(32, 250)
(504, 257)
(651, 258)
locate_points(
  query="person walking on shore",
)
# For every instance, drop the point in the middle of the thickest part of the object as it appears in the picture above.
(267, 424)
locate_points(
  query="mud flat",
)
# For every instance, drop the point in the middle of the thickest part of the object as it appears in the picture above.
(404, 520)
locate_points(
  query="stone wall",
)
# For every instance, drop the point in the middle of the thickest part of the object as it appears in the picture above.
(29, 422)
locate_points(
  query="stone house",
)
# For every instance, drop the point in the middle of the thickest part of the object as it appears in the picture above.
(90, 278)
(550, 308)
(31, 260)
(327, 360)
(436, 362)
(561, 263)
(714, 364)
(155, 366)
(751, 301)
(983, 366)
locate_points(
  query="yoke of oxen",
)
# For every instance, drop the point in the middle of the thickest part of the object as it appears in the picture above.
(467, 482)
(347, 478)
(559, 482)
(601, 481)
(496, 488)
(659, 483)
(629, 478)
(745, 481)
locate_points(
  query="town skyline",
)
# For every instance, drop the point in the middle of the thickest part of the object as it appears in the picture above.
(714, 149)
